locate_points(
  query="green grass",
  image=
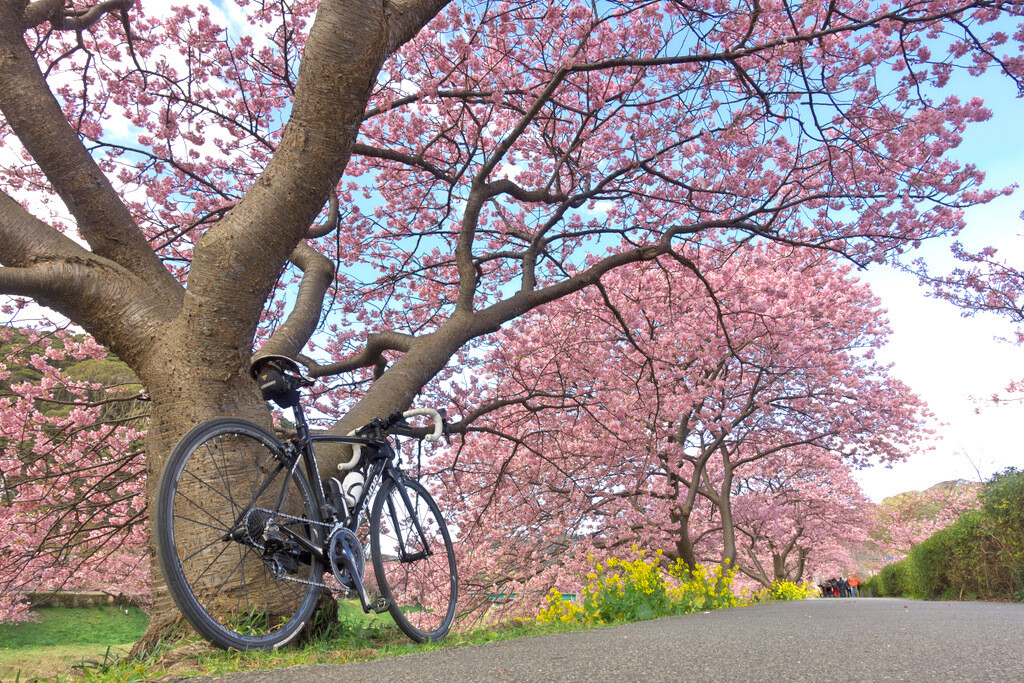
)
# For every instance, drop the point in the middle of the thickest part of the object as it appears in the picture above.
(92, 644)
(355, 637)
(71, 626)
(49, 647)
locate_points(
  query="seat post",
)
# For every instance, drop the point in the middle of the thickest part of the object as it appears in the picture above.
(301, 426)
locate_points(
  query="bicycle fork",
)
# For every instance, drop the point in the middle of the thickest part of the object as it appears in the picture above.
(403, 554)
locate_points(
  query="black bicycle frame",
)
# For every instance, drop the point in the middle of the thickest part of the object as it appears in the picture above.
(381, 459)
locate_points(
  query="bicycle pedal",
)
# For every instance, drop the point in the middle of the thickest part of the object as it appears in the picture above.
(379, 605)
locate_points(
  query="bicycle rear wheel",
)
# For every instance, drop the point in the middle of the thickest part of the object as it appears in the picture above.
(240, 583)
(415, 571)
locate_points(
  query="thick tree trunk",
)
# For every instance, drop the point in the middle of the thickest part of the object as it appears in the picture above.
(796, 575)
(185, 392)
(779, 567)
(724, 504)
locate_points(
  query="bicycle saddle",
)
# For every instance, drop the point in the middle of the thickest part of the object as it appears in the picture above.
(279, 363)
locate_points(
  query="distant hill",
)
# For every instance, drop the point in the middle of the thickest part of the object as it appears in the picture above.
(942, 486)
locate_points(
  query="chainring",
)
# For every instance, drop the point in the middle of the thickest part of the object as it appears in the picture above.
(344, 543)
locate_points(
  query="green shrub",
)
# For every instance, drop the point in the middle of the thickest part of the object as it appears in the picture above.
(1003, 501)
(893, 581)
(981, 555)
(1018, 585)
(946, 564)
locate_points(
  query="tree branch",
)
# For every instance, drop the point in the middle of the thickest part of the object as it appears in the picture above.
(25, 239)
(39, 11)
(329, 225)
(318, 273)
(70, 20)
(405, 18)
(36, 118)
(492, 317)
(372, 355)
(98, 294)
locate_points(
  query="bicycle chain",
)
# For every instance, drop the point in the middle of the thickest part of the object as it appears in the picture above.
(305, 520)
(373, 492)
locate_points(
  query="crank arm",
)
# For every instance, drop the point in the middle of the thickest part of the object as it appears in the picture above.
(379, 605)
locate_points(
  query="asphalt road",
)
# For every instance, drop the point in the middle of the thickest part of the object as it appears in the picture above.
(855, 639)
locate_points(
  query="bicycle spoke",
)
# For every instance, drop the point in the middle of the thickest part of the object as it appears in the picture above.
(209, 489)
(227, 578)
(414, 561)
(223, 494)
(225, 480)
(219, 527)
(199, 551)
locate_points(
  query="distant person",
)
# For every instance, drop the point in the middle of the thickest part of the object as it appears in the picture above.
(844, 588)
(854, 582)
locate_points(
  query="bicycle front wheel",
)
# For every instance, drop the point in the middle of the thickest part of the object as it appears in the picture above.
(227, 524)
(413, 560)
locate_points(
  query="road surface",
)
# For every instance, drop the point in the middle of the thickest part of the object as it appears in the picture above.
(837, 639)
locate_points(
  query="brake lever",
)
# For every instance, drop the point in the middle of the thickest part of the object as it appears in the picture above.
(444, 426)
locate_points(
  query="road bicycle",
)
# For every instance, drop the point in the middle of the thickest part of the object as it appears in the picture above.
(246, 527)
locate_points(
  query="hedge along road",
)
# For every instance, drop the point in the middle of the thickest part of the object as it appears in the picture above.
(836, 639)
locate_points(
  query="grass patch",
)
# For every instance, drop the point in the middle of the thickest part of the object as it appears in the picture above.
(63, 636)
(355, 637)
(52, 663)
(76, 626)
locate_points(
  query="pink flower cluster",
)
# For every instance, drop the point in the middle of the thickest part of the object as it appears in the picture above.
(72, 476)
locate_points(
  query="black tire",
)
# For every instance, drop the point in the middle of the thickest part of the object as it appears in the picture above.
(421, 593)
(224, 586)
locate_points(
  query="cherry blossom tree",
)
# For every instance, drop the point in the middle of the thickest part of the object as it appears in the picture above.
(165, 176)
(72, 498)
(639, 413)
(799, 515)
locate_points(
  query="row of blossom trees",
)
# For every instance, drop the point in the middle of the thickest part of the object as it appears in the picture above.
(714, 418)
